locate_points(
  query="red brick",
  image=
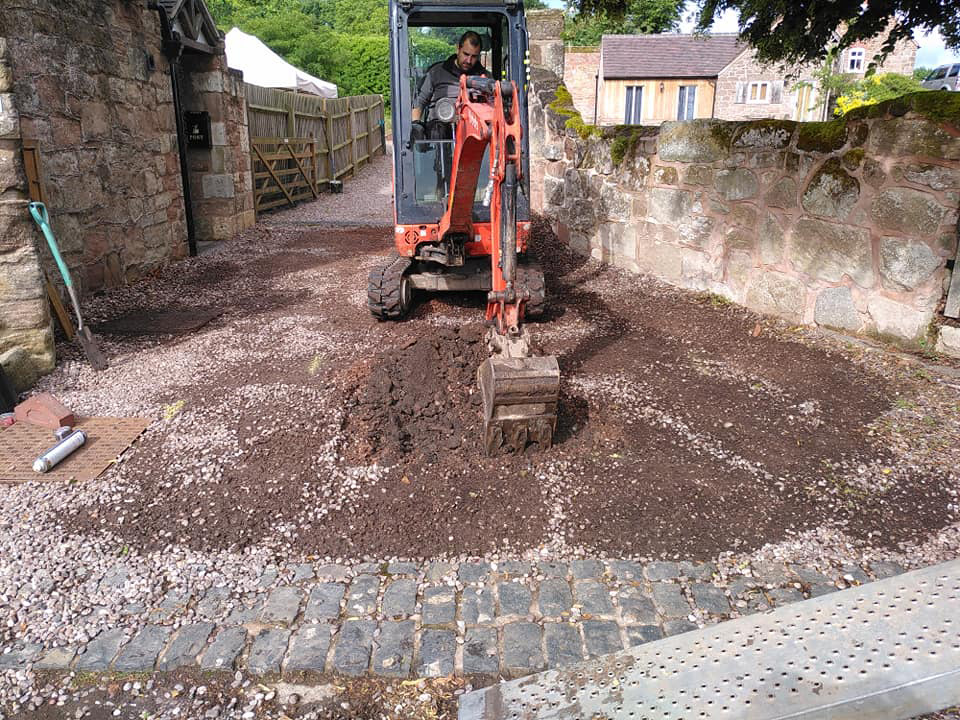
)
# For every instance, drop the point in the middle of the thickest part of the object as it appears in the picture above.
(44, 410)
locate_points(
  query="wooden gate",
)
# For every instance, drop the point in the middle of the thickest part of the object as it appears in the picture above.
(284, 171)
(299, 142)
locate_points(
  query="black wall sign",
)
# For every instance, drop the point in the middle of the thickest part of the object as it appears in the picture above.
(198, 129)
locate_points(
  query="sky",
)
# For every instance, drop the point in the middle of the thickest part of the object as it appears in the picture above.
(932, 51)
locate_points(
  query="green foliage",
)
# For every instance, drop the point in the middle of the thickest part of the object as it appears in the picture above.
(350, 17)
(640, 17)
(875, 89)
(366, 66)
(920, 73)
(430, 49)
(801, 30)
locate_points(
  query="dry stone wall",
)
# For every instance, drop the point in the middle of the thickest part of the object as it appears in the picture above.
(848, 224)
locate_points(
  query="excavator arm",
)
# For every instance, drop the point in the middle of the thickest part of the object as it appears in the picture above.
(520, 391)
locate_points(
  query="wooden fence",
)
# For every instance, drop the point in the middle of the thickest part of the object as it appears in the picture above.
(299, 142)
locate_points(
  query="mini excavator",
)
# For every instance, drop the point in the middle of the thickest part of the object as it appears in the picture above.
(461, 207)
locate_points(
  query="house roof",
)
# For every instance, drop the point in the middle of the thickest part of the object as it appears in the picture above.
(667, 55)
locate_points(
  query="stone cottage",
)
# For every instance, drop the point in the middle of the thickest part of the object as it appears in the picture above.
(649, 79)
(95, 101)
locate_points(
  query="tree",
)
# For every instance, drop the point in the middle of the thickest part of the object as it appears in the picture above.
(350, 17)
(920, 73)
(875, 89)
(640, 17)
(799, 31)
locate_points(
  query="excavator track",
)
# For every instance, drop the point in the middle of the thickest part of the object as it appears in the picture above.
(389, 293)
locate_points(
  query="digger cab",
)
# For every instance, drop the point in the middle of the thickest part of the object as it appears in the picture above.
(425, 32)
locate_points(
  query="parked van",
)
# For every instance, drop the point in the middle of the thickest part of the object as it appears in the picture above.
(945, 77)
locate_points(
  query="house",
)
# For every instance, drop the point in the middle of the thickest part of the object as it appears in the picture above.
(647, 79)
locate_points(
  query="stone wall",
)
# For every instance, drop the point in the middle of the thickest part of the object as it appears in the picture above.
(26, 339)
(94, 92)
(87, 82)
(221, 183)
(545, 29)
(580, 68)
(847, 224)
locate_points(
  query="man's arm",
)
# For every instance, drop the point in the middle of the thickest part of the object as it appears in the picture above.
(423, 97)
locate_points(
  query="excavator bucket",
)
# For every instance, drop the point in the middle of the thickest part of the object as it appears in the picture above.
(520, 396)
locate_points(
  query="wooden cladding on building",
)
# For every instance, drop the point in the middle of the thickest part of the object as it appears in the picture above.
(659, 100)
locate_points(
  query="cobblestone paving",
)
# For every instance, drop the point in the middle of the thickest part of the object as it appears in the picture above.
(434, 619)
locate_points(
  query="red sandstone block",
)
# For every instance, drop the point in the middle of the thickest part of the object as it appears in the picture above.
(44, 410)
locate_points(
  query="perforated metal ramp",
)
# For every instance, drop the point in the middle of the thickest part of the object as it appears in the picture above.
(889, 649)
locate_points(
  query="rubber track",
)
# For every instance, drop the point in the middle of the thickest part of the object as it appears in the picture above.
(383, 289)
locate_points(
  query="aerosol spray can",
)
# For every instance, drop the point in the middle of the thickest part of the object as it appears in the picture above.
(69, 441)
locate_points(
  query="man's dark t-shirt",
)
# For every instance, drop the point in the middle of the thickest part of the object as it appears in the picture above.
(442, 81)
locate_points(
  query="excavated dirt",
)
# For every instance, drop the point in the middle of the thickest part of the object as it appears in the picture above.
(688, 426)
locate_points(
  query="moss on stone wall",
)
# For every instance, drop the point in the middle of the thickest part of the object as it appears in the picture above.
(938, 106)
(822, 137)
(563, 106)
(935, 105)
(723, 134)
(852, 159)
(625, 141)
(776, 133)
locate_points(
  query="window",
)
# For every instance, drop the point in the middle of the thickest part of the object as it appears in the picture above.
(954, 71)
(758, 92)
(855, 60)
(634, 106)
(686, 102)
(940, 73)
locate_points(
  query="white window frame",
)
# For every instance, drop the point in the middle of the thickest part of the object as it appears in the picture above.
(760, 85)
(635, 116)
(855, 59)
(689, 93)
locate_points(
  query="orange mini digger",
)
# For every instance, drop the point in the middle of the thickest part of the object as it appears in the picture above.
(462, 215)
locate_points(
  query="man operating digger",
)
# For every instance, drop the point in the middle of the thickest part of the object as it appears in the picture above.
(443, 81)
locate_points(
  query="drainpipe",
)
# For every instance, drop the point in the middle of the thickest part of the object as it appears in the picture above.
(173, 51)
(596, 96)
(713, 106)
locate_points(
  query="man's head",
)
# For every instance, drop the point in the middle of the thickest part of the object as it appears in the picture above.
(468, 50)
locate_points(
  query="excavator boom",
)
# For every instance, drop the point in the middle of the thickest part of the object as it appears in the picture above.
(520, 391)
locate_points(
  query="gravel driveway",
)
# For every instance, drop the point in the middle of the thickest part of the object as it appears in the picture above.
(294, 432)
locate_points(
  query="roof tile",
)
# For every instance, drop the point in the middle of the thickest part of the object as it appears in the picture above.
(667, 55)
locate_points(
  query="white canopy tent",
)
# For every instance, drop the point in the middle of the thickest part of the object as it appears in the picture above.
(262, 66)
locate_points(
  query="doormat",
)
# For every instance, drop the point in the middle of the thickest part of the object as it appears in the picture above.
(107, 438)
(159, 322)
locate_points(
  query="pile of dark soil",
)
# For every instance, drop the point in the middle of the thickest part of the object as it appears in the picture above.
(419, 400)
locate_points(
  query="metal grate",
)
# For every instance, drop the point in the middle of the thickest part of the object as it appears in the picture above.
(889, 649)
